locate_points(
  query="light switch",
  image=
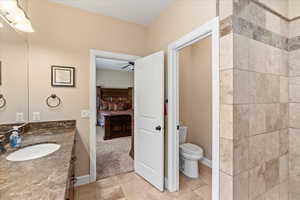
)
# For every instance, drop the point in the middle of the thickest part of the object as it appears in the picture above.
(36, 116)
(85, 113)
(20, 117)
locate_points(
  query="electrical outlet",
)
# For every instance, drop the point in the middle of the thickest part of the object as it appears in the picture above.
(36, 116)
(19, 117)
(85, 113)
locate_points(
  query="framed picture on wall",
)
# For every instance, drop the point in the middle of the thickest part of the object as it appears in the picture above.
(62, 76)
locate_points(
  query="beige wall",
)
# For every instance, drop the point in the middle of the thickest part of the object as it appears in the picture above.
(195, 94)
(114, 78)
(294, 8)
(14, 58)
(64, 36)
(180, 18)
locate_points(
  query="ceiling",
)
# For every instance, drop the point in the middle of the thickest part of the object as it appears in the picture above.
(137, 11)
(103, 63)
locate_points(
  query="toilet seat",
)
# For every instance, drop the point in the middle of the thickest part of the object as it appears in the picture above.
(191, 149)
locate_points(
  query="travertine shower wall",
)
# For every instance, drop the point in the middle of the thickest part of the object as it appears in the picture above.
(261, 91)
(255, 103)
(294, 99)
(260, 138)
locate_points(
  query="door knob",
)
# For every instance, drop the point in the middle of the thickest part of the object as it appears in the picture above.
(158, 128)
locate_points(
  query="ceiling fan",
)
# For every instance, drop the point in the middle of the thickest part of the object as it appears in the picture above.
(130, 65)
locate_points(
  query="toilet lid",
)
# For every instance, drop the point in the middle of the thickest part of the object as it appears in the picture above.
(191, 149)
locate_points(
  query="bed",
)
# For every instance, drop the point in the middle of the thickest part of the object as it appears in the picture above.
(114, 112)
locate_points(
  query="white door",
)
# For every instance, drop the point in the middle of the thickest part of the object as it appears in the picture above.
(149, 119)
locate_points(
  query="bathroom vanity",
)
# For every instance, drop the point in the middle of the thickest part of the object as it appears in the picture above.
(50, 177)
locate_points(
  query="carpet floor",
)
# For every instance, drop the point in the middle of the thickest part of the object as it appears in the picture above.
(112, 155)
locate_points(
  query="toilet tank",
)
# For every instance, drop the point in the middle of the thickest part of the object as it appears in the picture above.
(182, 134)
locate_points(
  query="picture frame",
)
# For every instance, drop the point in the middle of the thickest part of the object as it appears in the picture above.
(62, 76)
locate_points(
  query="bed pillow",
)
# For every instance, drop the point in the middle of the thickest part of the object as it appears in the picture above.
(115, 106)
(121, 106)
(110, 106)
(103, 105)
(128, 104)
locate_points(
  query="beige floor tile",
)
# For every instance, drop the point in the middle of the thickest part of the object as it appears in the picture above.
(188, 196)
(87, 196)
(204, 192)
(107, 182)
(128, 177)
(130, 186)
(205, 174)
(190, 183)
(158, 195)
(136, 186)
(110, 193)
(86, 188)
(149, 195)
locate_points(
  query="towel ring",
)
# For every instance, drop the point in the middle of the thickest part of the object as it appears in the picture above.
(53, 96)
(2, 101)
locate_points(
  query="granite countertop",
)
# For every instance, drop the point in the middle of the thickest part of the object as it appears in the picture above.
(40, 179)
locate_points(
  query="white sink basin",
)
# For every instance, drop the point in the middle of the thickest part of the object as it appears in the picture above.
(33, 152)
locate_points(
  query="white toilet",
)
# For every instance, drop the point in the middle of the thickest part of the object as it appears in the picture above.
(189, 155)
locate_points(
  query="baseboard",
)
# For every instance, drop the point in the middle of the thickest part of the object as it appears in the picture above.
(166, 183)
(82, 180)
(206, 162)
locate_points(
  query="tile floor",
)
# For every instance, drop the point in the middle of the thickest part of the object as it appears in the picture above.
(130, 186)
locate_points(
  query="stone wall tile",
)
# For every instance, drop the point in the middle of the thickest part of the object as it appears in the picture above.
(256, 150)
(294, 93)
(226, 86)
(294, 115)
(284, 89)
(226, 121)
(241, 121)
(226, 156)
(257, 184)
(271, 146)
(226, 52)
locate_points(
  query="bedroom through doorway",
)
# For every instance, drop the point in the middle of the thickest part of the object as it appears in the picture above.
(114, 121)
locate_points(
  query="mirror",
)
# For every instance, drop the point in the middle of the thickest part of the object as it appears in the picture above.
(13, 75)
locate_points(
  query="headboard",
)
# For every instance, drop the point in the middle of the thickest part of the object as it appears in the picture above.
(114, 95)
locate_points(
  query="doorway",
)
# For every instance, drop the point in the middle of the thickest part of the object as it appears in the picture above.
(210, 29)
(148, 111)
(95, 130)
(114, 147)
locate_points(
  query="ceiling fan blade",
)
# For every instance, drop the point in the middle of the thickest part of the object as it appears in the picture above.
(125, 66)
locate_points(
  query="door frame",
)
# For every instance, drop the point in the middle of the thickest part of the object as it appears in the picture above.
(93, 112)
(211, 28)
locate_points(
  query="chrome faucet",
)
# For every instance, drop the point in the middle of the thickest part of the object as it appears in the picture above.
(20, 126)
